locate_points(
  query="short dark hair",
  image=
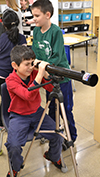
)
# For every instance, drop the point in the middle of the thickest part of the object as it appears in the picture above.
(20, 53)
(44, 6)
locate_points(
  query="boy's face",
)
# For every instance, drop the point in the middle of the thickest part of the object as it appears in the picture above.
(40, 18)
(24, 69)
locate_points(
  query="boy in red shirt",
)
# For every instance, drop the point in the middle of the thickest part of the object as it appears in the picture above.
(25, 110)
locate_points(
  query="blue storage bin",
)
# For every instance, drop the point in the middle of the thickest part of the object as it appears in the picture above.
(86, 16)
(65, 18)
(76, 17)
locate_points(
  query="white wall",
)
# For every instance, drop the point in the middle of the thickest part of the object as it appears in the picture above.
(54, 18)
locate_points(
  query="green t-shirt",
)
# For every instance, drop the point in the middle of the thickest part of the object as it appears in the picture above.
(49, 47)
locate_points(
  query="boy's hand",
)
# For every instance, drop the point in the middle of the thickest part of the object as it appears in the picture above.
(30, 21)
(36, 62)
(42, 67)
(41, 70)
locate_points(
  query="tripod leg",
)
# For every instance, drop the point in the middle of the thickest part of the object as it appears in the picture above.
(57, 113)
(64, 168)
(41, 120)
(69, 138)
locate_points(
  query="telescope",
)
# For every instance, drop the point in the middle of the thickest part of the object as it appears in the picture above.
(85, 78)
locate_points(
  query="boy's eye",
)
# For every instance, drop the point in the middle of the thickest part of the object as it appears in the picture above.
(27, 64)
(36, 16)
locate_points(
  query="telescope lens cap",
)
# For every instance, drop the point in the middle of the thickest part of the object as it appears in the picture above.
(93, 80)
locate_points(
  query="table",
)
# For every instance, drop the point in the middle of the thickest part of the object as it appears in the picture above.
(72, 40)
(29, 41)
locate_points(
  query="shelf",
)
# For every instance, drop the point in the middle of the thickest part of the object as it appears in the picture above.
(76, 9)
(77, 21)
(72, 10)
(77, 32)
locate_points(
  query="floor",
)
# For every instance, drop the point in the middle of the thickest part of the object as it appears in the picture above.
(86, 149)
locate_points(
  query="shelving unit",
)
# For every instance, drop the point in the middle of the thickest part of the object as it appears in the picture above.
(62, 11)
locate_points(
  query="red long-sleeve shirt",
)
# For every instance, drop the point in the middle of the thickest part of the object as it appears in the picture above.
(24, 102)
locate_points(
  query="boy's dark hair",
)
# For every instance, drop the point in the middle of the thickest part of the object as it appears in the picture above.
(44, 6)
(11, 21)
(20, 53)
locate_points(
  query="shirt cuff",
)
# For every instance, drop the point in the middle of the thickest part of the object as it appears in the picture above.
(35, 83)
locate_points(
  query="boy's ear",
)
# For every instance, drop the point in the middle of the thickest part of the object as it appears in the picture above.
(14, 65)
(48, 14)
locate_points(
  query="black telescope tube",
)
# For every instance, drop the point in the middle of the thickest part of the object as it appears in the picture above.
(85, 78)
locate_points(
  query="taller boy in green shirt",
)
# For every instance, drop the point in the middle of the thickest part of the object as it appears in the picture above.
(48, 45)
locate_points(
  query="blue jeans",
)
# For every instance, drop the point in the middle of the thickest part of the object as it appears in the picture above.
(66, 89)
(19, 126)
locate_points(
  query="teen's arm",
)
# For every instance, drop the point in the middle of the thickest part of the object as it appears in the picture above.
(58, 50)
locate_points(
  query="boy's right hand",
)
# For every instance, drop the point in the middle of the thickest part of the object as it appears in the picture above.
(41, 71)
